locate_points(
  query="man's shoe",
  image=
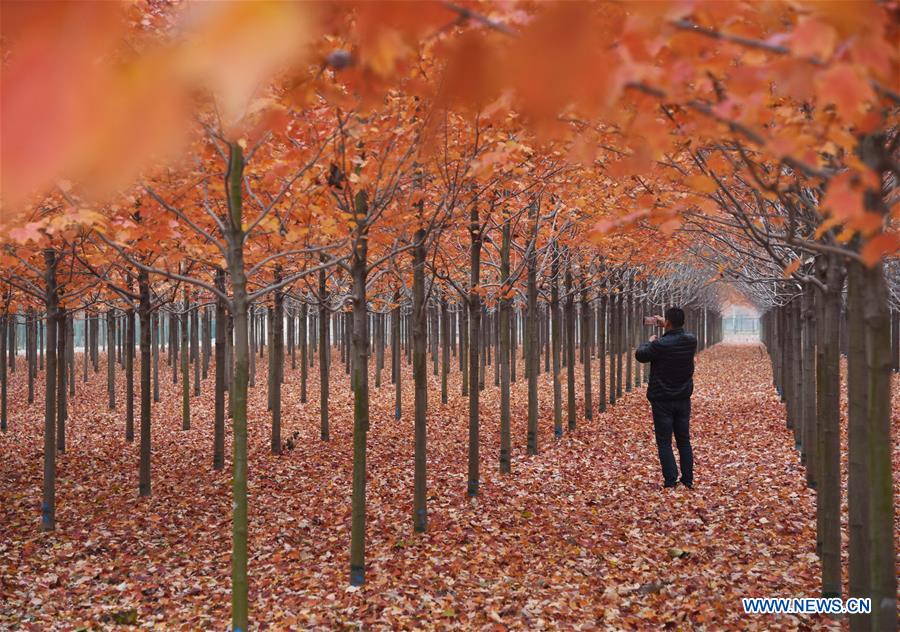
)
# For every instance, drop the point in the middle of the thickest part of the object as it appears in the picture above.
(688, 485)
(667, 485)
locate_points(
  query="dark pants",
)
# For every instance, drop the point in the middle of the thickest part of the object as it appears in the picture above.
(668, 418)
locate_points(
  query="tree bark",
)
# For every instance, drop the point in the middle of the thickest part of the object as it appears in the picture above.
(828, 394)
(531, 347)
(324, 356)
(883, 576)
(629, 336)
(420, 383)
(129, 374)
(51, 301)
(895, 339)
(195, 348)
(396, 360)
(557, 343)
(185, 375)
(445, 349)
(304, 350)
(30, 355)
(570, 347)
(601, 348)
(503, 358)
(808, 387)
(144, 485)
(857, 483)
(239, 601)
(464, 348)
(474, 344)
(70, 352)
(277, 367)
(360, 348)
(219, 421)
(613, 344)
(586, 347)
(155, 337)
(111, 359)
(4, 375)
(61, 405)
(620, 340)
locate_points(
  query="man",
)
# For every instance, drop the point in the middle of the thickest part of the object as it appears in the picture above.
(671, 359)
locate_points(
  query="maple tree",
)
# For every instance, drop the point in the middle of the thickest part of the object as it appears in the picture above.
(488, 174)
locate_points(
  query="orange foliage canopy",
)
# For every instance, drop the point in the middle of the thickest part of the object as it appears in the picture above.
(642, 112)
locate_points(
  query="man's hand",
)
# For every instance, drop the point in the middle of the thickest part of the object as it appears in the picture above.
(653, 337)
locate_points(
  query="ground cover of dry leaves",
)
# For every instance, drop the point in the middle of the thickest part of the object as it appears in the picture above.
(580, 536)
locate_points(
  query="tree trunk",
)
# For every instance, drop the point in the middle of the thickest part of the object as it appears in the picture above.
(503, 357)
(613, 344)
(51, 300)
(474, 344)
(30, 355)
(61, 407)
(629, 336)
(895, 339)
(185, 375)
(883, 576)
(531, 346)
(277, 367)
(570, 347)
(360, 348)
(484, 346)
(270, 363)
(808, 387)
(620, 340)
(205, 337)
(255, 337)
(220, 377)
(464, 348)
(155, 338)
(146, 329)
(601, 348)
(111, 359)
(4, 376)
(239, 602)
(514, 341)
(586, 347)
(445, 349)
(557, 344)
(129, 375)
(86, 345)
(324, 356)
(828, 399)
(195, 348)
(396, 350)
(787, 380)
(420, 382)
(70, 352)
(857, 483)
(229, 363)
(304, 349)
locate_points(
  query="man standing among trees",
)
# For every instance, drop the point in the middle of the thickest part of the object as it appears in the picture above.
(671, 359)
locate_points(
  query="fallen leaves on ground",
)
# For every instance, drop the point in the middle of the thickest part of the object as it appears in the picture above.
(581, 536)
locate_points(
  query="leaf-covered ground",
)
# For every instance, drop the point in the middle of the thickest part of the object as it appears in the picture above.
(579, 537)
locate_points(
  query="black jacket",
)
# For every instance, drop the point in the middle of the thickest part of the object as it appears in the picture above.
(671, 359)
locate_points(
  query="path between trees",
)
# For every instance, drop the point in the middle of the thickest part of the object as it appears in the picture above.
(580, 536)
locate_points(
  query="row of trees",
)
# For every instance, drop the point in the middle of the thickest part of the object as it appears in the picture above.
(802, 330)
(602, 320)
(352, 162)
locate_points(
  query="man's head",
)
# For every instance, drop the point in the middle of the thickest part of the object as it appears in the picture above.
(674, 318)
